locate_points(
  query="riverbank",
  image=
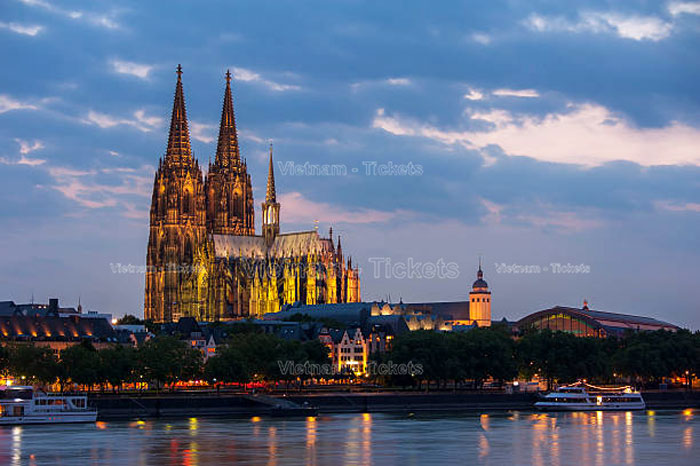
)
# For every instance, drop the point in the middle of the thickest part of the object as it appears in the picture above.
(242, 405)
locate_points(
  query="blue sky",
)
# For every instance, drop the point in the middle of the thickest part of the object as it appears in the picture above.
(545, 132)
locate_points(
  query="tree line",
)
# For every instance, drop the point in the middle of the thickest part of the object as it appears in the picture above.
(159, 362)
(460, 359)
(470, 358)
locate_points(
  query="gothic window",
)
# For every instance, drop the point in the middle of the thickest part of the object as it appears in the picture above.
(188, 250)
(186, 199)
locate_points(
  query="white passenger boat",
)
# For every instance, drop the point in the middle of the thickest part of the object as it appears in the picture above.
(23, 405)
(581, 397)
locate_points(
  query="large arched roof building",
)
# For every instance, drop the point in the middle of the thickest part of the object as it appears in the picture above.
(587, 322)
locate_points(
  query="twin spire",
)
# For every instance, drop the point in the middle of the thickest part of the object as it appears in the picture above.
(179, 149)
(227, 152)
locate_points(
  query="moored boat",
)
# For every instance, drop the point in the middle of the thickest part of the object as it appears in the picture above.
(23, 405)
(583, 397)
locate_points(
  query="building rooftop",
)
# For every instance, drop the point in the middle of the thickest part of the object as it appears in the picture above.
(22, 327)
(284, 245)
(611, 322)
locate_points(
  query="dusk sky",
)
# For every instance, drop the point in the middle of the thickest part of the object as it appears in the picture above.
(544, 132)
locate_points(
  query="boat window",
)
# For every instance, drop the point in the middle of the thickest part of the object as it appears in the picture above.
(78, 402)
(12, 393)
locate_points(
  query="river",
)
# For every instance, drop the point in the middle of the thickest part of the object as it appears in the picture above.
(600, 438)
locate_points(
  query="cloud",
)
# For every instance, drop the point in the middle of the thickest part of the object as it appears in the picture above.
(633, 27)
(251, 136)
(481, 38)
(474, 94)
(516, 93)
(82, 186)
(141, 121)
(25, 147)
(204, 132)
(541, 215)
(103, 20)
(478, 94)
(27, 30)
(298, 209)
(134, 212)
(23, 160)
(564, 221)
(679, 8)
(398, 81)
(139, 70)
(586, 134)
(246, 75)
(8, 103)
(493, 214)
(678, 206)
(31, 162)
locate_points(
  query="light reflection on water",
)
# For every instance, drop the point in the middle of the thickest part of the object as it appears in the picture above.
(496, 438)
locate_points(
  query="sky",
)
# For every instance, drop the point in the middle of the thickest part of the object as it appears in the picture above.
(559, 141)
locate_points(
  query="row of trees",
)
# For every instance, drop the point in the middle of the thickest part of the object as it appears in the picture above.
(489, 353)
(464, 359)
(160, 361)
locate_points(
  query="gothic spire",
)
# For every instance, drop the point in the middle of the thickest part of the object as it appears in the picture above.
(271, 193)
(227, 153)
(179, 149)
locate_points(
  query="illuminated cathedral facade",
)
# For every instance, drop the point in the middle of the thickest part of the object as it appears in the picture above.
(204, 259)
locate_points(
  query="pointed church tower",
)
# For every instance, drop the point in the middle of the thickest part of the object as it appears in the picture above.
(177, 236)
(229, 194)
(480, 300)
(270, 208)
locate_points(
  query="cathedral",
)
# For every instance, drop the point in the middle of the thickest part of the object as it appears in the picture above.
(204, 259)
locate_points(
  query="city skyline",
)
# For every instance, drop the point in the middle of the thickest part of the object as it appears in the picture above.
(530, 162)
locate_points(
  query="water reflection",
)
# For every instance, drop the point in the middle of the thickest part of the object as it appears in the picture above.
(272, 445)
(16, 445)
(615, 438)
(600, 442)
(494, 438)
(539, 440)
(688, 437)
(310, 440)
(484, 447)
(366, 438)
(554, 441)
(484, 418)
(651, 422)
(629, 443)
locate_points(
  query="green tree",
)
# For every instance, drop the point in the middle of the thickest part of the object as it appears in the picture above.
(4, 361)
(492, 351)
(261, 353)
(426, 348)
(165, 359)
(129, 319)
(81, 364)
(33, 362)
(228, 365)
(117, 365)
